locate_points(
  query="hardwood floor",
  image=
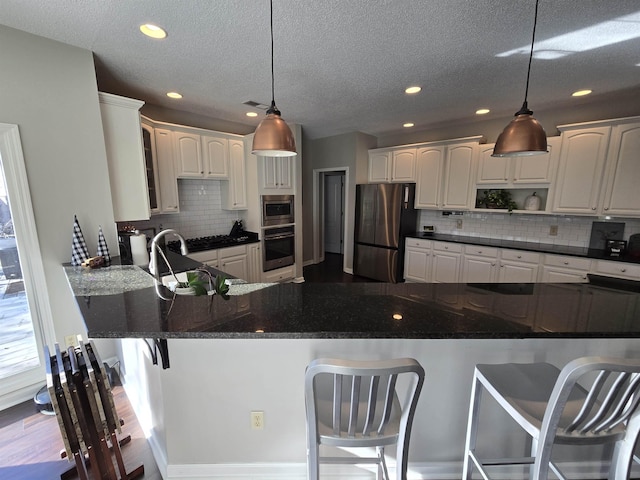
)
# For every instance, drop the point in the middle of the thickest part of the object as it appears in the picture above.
(30, 443)
(330, 271)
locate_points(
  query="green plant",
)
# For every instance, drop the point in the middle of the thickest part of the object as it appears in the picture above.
(196, 281)
(497, 199)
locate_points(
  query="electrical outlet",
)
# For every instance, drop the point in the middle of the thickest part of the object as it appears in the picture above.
(257, 420)
(459, 224)
(553, 230)
(71, 341)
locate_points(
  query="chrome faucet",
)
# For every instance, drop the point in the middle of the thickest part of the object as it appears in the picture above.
(155, 248)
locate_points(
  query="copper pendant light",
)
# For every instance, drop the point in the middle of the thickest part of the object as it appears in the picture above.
(524, 135)
(273, 137)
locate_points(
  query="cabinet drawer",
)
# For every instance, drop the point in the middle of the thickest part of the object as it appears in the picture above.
(480, 251)
(232, 251)
(418, 243)
(448, 247)
(617, 269)
(568, 262)
(520, 256)
(279, 275)
(205, 256)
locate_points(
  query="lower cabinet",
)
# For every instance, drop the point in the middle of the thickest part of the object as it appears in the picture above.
(233, 261)
(417, 260)
(479, 264)
(564, 269)
(279, 275)
(445, 266)
(517, 266)
(558, 305)
(208, 257)
(254, 257)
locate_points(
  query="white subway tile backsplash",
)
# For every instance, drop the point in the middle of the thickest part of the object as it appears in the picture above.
(201, 211)
(572, 231)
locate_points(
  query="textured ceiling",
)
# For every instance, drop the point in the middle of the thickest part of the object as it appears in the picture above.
(342, 65)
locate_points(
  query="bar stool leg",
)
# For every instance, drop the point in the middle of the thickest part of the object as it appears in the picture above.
(472, 426)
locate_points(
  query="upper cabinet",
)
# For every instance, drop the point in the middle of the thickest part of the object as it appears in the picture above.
(125, 157)
(623, 171)
(234, 191)
(275, 175)
(215, 157)
(392, 165)
(514, 172)
(582, 159)
(151, 165)
(188, 154)
(444, 172)
(167, 181)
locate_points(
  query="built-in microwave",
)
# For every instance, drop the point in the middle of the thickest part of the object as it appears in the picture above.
(277, 210)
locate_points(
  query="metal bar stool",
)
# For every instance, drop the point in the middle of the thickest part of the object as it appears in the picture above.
(592, 400)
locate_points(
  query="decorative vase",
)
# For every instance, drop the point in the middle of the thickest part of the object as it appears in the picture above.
(185, 291)
(532, 202)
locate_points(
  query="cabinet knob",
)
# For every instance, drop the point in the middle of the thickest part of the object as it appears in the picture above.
(519, 256)
(201, 173)
(493, 264)
(446, 248)
(479, 251)
(623, 270)
(606, 208)
(593, 208)
(566, 263)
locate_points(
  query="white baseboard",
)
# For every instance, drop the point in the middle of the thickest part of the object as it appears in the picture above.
(20, 395)
(349, 271)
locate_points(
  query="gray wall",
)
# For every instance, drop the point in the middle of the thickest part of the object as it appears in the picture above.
(49, 90)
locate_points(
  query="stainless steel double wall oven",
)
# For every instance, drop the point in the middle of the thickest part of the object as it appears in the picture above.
(278, 234)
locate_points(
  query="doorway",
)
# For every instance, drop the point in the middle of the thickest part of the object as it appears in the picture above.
(334, 213)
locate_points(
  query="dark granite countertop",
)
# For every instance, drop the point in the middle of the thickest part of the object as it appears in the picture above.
(527, 246)
(126, 302)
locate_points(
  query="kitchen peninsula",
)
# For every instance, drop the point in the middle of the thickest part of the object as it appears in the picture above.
(231, 357)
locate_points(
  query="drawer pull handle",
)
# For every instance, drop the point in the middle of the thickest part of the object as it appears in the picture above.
(519, 256)
(566, 263)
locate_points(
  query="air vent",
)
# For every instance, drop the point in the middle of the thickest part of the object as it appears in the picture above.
(251, 103)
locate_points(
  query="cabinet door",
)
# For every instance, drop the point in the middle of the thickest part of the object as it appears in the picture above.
(151, 164)
(600, 306)
(558, 308)
(560, 275)
(446, 267)
(188, 154)
(478, 269)
(275, 173)
(417, 264)
(285, 173)
(582, 159)
(234, 266)
(515, 272)
(234, 192)
(403, 165)
(166, 171)
(379, 165)
(215, 157)
(457, 179)
(621, 195)
(429, 166)
(492, 170)
(537, 168)
(254, 263)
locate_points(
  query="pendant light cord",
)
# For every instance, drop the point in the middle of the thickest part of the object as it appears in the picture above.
(273, 108)
(525, 108)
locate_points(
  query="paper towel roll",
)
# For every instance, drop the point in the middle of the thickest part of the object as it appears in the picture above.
(139, 250)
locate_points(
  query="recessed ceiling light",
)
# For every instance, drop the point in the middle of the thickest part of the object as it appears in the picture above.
(252, 114)
(581, 93)
(408, 125)
(411, 90)
(153, 31)
(482, 111)
(174, 95)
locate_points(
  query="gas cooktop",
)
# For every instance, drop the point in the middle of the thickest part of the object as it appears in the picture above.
(212, 242)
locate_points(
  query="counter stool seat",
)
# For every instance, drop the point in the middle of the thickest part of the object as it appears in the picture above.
(553, 408)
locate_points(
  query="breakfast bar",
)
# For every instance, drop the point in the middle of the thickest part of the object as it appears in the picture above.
(248, 352)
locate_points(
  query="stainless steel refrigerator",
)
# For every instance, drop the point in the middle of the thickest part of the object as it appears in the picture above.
(385, 214)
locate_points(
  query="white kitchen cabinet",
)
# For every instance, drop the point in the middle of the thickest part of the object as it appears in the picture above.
(233, 261)
(458, 174)
(275, 175)
(429, 171)
(188, 154)
(151, 166)
(215, 157)
(283, 274)
(611, 268)
(417, 260)
(392, 165)
(600, 305)
(479, 264)
(234, 191)
(446, 259)
(167, 182)
(510, 172)
(623, 171)
(518, 266)
(208, 257)
(254, 259)
(125, 157)
(582, 160)
(564, 269)
(558, 307)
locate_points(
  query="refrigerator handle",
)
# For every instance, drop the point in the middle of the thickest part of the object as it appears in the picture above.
(406, 196)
